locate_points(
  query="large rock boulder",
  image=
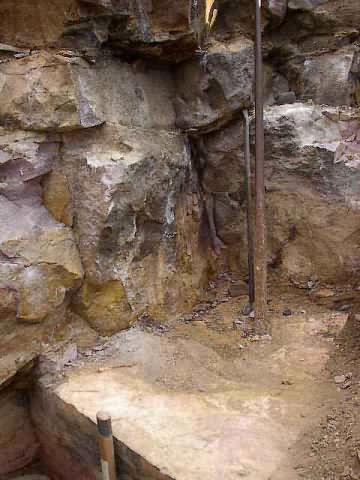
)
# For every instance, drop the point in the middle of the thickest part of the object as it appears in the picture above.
(211, 90)
(330, 78)
(41, 92)
(137, 223)
(39, 262)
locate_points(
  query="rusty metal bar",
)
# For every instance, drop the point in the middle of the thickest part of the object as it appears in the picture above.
(106, 444)
(249, 211)
(260, 229)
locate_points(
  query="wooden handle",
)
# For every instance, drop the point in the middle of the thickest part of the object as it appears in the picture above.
(106, 444)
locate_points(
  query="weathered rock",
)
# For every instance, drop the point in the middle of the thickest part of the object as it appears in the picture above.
(25, 156)
(277, 10)
(41, 92)
(105, 306)
(151, 28)
(39, 262)
(238, 288)
(137, 94)
(312, 158)
(54, 361)
(57, 197)
(137, 231)
(323, 293)
(339, 379)
(319, 146)
(327, 79)
(34, 22)
(136, 26)
(305, 4)
(212, 90)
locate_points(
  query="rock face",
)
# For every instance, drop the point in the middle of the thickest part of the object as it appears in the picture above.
(41, 92)
(121, 156)
(133, 179)
(313, 158)
(213, 89)
(124, 188)
(133, 26)
(115, 171)
(39, 262)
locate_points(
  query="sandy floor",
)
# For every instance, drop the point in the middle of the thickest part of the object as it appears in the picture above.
(204, 398)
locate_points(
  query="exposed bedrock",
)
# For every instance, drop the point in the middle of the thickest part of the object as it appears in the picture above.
(312, 181)
(122, 195)
(146, 27)
(43, 91)
(212, 89)
(119, 172)
(39, 261)
(136, 221)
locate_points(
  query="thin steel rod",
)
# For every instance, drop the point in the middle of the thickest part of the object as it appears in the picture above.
(249, 210)
(106, 444)
(260, 229)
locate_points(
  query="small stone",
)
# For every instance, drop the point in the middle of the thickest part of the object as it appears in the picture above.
(346, 384)
(324, 293)
(237, 289)
(254, 338)
(285, 98)
(266, 337)
(344, 308)
(247, 310)
(287, 312)
(202, 307)
(339, 379)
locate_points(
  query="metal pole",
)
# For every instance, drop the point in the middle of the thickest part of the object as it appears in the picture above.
(106, 444)
(260, 230)
(250, 236)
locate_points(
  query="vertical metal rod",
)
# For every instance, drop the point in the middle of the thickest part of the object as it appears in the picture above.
(249, 212)
(106, 444)
(260, 230)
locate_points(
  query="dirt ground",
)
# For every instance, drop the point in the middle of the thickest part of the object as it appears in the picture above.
(331, 451)
(293, 391)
